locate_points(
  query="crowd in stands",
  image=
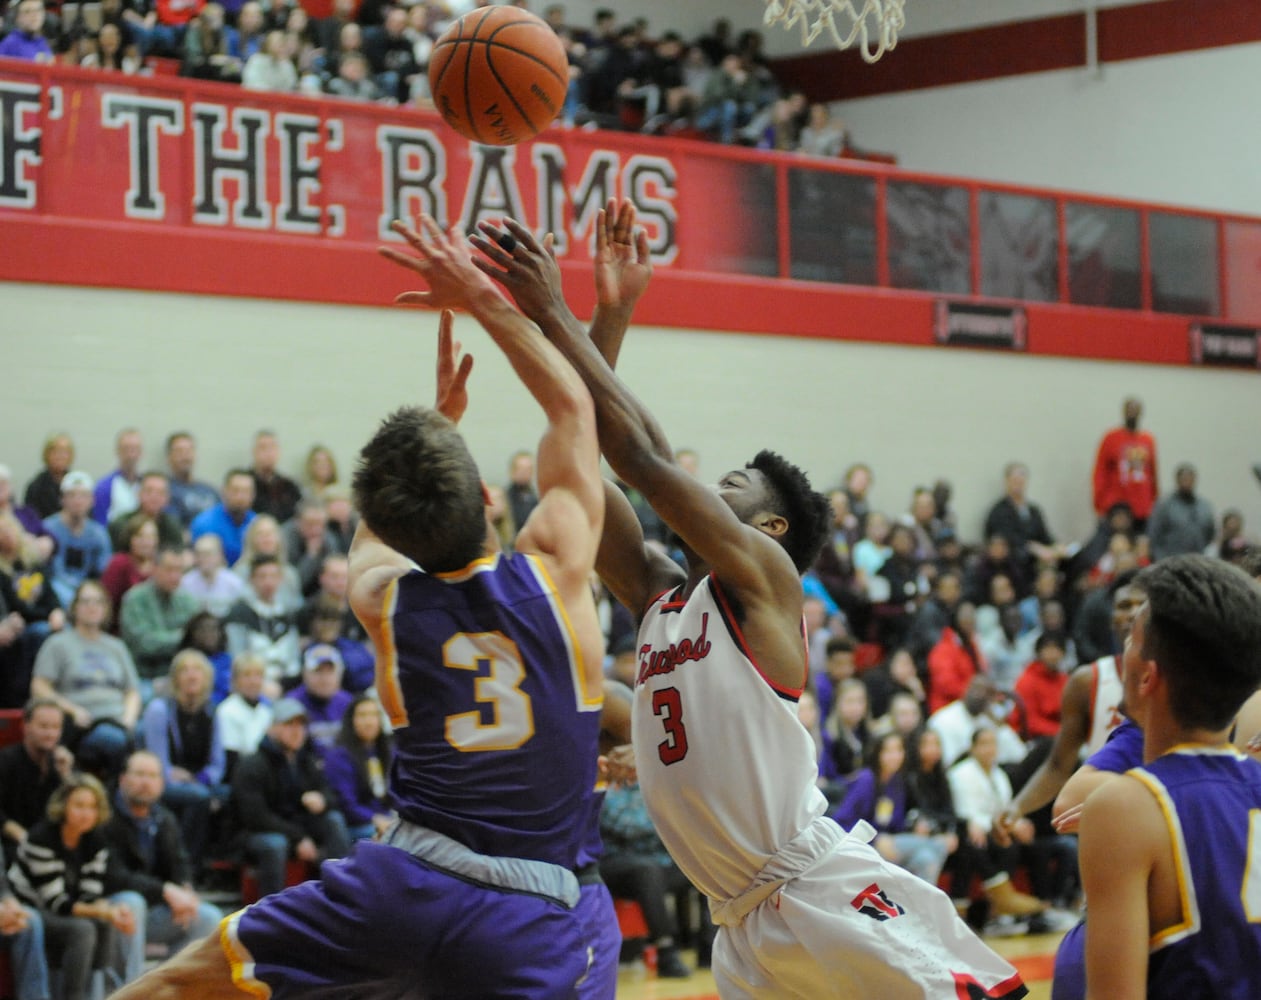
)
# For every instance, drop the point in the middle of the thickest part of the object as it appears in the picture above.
(622, 75)
(196, 692)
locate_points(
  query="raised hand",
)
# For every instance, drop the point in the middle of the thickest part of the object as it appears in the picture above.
(445, 263)
(451, 395)
(622, 262)
(526, 269)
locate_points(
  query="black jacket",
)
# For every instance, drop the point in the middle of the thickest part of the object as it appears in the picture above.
(170, 859)
(268, 790)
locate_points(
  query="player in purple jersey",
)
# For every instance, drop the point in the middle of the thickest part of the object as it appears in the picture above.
(1171, 851)
(490, 668)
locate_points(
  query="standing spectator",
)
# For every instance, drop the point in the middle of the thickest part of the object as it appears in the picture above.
(26, 41)
(522, 497)
(154, 615)
(61, 869)
(133, 564)
(231, 516)
(274, 493)
(215, 587)
(181, 732)
(43, 493)
(91, 676)
(1181, 522)
(357, 766)
(151, 861)
(244, 716)
(1125, 467)
(31, 771)
(189, 496)
(284, 803)
(270, 68)
(321, 694)
(118, 492)
(1020, 521)
(153, 502)
(83, 548)
(260, 623)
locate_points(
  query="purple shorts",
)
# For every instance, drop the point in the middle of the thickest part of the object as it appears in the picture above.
(382, 925)
(604, 938)
(1069, 979)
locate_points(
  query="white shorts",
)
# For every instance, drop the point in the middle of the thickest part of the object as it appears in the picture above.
(853, 925)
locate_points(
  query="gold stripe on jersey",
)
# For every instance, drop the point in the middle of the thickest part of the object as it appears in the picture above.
(1190, 923)
(240, 961)
(587, 699)
(388, 689)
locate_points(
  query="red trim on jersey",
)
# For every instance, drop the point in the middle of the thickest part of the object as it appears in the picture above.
(1011, 988)
(667, 604)
(728, 616)
(1094, 697)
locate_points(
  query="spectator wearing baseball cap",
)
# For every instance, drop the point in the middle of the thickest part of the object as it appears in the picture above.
(83, 547)
(321, 694)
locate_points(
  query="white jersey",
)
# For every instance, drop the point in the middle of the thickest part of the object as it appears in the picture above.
(727, 769)
(1105, 701)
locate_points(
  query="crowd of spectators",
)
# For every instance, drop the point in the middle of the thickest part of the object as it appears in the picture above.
(622, 75)
(204, 693)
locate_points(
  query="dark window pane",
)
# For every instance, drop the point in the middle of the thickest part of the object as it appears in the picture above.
(1243, 264)
(833, 225)
(1104, 266)
(1184, 264)
(930, 238)
(1019, 247)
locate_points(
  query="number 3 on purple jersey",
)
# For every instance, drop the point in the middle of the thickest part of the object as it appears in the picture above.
(668, 707)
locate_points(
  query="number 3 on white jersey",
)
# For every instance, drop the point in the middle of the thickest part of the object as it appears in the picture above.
(496, 663)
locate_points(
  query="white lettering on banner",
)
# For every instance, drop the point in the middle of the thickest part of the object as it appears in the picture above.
(144, 118)
(215, 165)
(413, 172)
(19, 143)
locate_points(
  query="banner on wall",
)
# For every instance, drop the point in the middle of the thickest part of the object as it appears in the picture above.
(1225, 346)
(969, 324)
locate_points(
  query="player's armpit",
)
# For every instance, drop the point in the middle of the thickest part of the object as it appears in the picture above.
(1121, 831)
(373, 565)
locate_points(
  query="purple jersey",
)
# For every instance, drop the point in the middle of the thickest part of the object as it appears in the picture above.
(496, 733)
(1122, 751)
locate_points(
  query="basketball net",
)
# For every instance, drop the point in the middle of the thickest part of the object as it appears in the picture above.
(817, 16)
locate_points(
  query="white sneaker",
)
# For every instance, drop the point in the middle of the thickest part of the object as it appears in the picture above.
(1005, 926)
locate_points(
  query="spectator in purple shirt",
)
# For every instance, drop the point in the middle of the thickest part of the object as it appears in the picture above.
(26, 40)
(357, 765)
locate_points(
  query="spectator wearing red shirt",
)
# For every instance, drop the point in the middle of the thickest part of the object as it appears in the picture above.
(1125, 467)
(955, 660)
(1041, 689)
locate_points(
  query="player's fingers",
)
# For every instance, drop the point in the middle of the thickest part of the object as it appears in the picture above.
(413, 299)
(402, 259)
(625, 221)
(492, 272)
(549, 245)
(601, 233)
(446, 350)
(408, 233)
(466, 368)
(523, 235)
(642, 253)
(492, 249)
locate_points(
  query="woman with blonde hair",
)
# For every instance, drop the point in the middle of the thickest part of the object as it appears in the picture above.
(61, 869)
(182, 731)
(264, 538)
(43, 493)
(320, 471)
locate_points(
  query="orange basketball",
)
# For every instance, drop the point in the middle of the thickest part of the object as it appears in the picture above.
(499, 75)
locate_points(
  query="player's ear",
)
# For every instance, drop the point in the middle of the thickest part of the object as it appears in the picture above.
(485, 494)
(775, 525)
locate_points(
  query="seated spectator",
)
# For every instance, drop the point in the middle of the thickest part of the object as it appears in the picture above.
(91, 676)
(358, 660)
(1048, 585)
(270, 68)
(1002, 594)
(31, 523)
(30, 771)
(390, 54)
(246, 38)
(207, 57)
(732, 96)
(22, 936)
(895, 675)
(215, 587)
(1051, 618)
(635, 865)
(26, 40)
(905, 586)
(333, 593)
(822, 135)
(83, 548)
(996, 558)
(980, 790)
(955, 660)
(150, 861)
(838, 667)
(905, 717)
(284, 803)
(263, 538)
(117, 493)
(134, 563)
(181, 731)
(274, 493)
(260, 623)
(1041, 687)
(321, 694)
(29, 610)
(352, 80)
(161, 30)
(309, 543)
(303, 48)
(206, 634)
(846, 730)
(933, 616)
(229, 518)
(244, 716)
(342, 519)
(1003, 649)
(189, 496)
(43, 493)
(878, 795)
(154, 617)
(153, 500)
(981, 707)
(357, 767)
(61, 870)
(870, 553)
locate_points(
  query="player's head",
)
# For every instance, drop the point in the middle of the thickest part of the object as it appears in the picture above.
(1201, 627)
(418, 489)
(774, 496)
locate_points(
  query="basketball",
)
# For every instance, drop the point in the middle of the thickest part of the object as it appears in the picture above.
(499, 75)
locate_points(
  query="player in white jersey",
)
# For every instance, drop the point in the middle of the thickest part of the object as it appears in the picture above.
(728, 773)
(1090, 708)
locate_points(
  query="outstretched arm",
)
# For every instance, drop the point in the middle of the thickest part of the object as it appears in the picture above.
(623, 267)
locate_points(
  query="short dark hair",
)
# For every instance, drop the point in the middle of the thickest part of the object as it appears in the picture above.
(1050, 639)
(231, 474)
(263, 559)
(178, 436)
(808, 512)
(35, 704)
(1203, 629)
(418, 489)
(839, 644)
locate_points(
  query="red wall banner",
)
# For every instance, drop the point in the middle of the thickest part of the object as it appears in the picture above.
(178, 185)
